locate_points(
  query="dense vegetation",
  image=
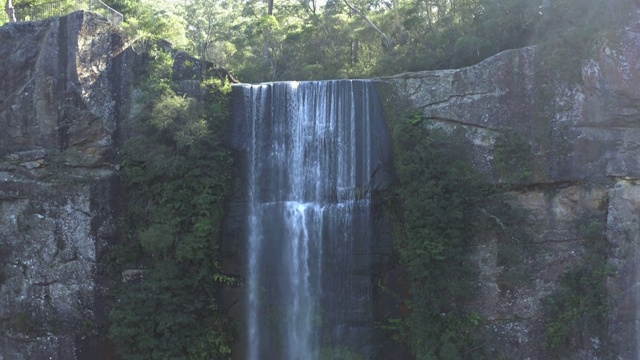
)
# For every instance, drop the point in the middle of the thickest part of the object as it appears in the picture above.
(312, 39)
(440, 205)
(177, 180)
(577, 310)
(263, 40)
(438, 196)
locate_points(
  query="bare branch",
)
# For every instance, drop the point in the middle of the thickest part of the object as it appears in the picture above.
(387, 40)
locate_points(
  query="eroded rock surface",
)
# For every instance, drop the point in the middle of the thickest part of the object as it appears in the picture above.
(64, 90)
(581, 165)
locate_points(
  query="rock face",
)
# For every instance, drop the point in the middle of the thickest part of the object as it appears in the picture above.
(578, 161)
(65, 103)
(64, 86)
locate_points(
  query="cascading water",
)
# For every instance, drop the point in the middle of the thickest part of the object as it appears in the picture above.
(309, 165)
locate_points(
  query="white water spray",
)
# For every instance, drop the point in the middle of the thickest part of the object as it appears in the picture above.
(308, 222)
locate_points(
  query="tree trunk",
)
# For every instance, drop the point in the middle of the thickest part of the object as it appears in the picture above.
(386, 41)
(265, 49)
(205, 48)
(11, 14)
(355, 44)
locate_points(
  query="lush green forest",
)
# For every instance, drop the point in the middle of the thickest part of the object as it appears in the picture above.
(267, 40)
(177, 179)
(262, 40)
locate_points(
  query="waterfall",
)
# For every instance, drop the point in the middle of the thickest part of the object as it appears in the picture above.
(309, 164)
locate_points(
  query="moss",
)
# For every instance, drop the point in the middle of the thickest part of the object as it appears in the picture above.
(23, 322)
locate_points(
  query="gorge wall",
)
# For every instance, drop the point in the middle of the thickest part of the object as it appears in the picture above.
(578, 167)
(66, 104)
(64, 92)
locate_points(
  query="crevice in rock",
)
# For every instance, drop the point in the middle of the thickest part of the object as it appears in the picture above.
(457, 122)
(455, 96)
(555, 241)
(511, 318)
(622, 178)
(557, 261)
(46, 283)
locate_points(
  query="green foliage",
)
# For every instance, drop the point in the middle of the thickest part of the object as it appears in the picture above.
(32, 10)
(303, 40)
(178, 177)
(592, 231)
(440, 194)
(156, 76)
(578, 309)
(159, 19)
(399, 328)
(569, 32)
(441, 204)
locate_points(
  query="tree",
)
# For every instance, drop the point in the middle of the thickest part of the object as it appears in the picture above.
(160, 19)
(201, 20)
(387, 41)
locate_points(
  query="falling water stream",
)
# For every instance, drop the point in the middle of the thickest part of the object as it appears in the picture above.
(309, 165)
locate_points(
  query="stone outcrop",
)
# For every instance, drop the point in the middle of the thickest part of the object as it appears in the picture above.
(64, 90)
(578, 163)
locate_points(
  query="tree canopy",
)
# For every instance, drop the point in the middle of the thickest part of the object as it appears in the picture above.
(267, 40)
(263, 40)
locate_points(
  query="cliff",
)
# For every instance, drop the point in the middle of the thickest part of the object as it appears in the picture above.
(571, 162)
(64, 90)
